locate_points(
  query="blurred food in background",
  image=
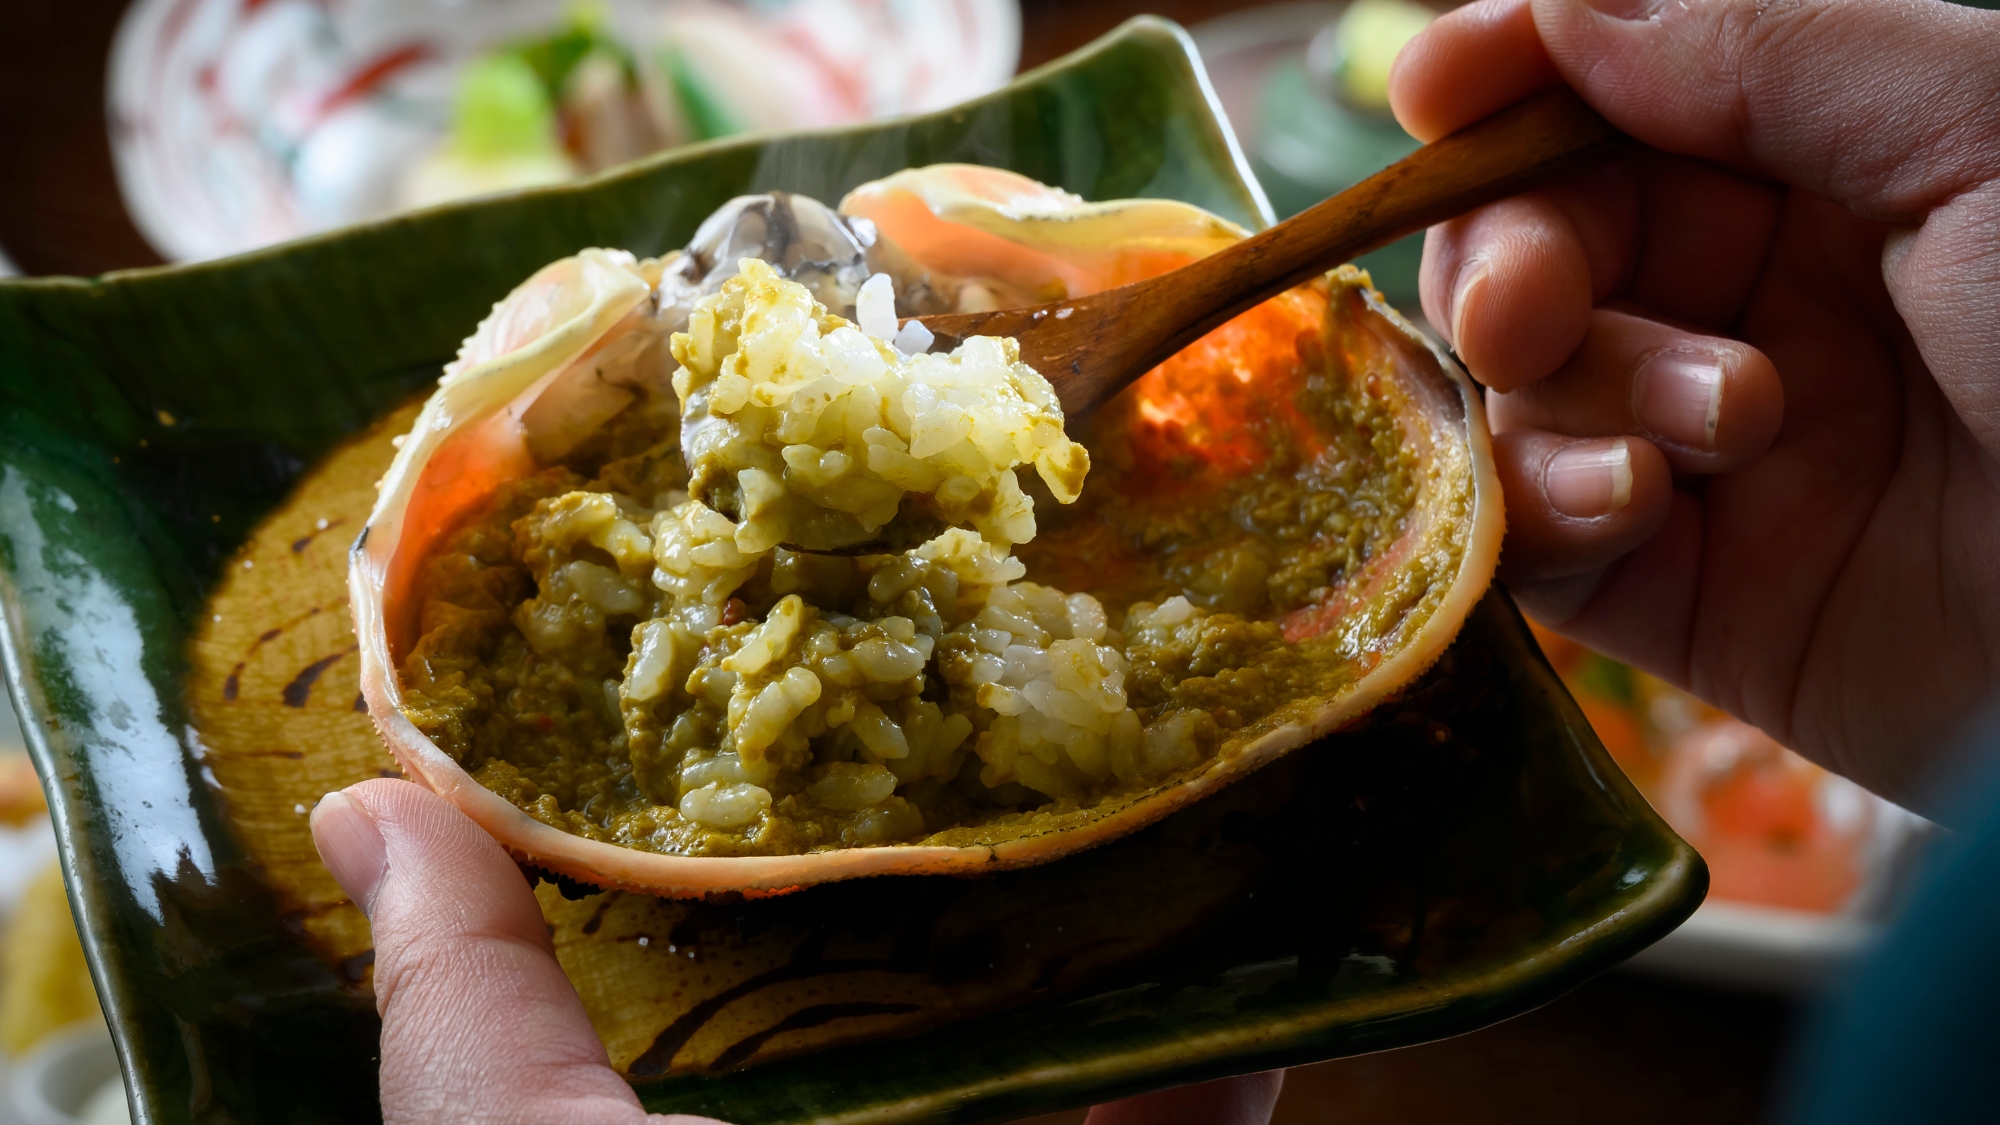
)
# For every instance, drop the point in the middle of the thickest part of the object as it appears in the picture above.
(21, 799)
(1306, 86)
(1776, 830)
(237, 125)
(56, 1059)
(45, 984)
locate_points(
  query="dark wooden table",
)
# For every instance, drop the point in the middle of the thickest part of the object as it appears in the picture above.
(1624, 1047)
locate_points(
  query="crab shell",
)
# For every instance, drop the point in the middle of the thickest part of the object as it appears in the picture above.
(522, 383)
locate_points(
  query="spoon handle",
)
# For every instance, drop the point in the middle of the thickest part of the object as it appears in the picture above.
(1487, 161)
(1483, 163)
(1092, 347)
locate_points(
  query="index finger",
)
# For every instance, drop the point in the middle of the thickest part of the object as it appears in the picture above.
(1468, 64)
(1792, 90)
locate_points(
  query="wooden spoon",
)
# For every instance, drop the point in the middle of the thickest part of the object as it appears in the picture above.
(1089, 348)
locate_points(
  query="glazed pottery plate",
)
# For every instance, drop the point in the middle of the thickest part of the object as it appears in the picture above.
(185, 453)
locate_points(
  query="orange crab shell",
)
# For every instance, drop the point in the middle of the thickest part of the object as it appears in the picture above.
(953, 223)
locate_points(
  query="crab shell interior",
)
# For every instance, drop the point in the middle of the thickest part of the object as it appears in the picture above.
(515, 382)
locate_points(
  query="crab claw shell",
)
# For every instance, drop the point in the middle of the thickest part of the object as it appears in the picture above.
(966, 238)
(1008, 236)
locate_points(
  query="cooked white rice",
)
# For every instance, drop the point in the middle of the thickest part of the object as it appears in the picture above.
(865, 676)
(819, 432)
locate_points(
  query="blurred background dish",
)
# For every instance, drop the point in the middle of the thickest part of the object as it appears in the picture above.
(238, 125)
(55, 1053)
(71, 1078)
(1802, 863)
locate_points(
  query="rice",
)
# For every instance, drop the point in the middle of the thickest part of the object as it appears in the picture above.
(1034, 657)
(777, 700)
(816, 433)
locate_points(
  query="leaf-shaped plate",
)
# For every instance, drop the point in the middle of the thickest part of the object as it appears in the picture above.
(1470, 853)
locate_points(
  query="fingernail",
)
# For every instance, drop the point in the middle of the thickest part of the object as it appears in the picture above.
(1469, 278)
(1590, 479)
(1679, 399)
(1625, 9)
(351, 846)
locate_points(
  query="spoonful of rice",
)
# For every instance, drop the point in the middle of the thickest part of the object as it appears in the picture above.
(815, 434)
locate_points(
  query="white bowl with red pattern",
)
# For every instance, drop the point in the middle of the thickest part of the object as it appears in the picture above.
(239, 123)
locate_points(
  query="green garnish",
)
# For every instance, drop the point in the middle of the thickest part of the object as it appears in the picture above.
(502, 109)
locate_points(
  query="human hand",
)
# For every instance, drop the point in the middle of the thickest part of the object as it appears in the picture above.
(1745, 385)
(479, 1024)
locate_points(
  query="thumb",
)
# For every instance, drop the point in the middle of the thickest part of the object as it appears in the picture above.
(1890, 107)
(479, 1024)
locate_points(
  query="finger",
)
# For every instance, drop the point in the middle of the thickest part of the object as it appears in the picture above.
(1467, 64)
(1575, 504)
(1511, 285)
(1245, 1100)
(1797, 89)
(1638, 608)
(478, 1021)
(1709, 404)
(1790, 90)
(1704, 241)
(1942, 277)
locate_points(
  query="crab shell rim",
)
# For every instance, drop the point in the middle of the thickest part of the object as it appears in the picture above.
(614, 866)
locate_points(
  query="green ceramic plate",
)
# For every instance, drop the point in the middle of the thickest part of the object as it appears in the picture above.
(1468, 855)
